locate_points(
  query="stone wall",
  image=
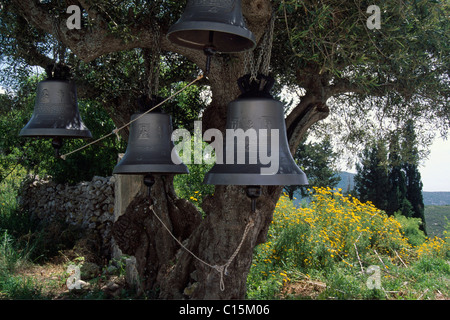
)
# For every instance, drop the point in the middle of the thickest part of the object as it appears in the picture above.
(88, 205)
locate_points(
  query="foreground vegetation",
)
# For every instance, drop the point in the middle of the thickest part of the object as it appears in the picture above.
(437, 218)
(335, 247)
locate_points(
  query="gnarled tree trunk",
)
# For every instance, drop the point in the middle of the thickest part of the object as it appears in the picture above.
(164, 267)
(229, 224)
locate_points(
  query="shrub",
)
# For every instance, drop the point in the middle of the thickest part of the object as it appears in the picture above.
(411, 229)
(333, 238)
(435, 247)
(333, 228)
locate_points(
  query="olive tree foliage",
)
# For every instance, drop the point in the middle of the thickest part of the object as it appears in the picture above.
(322, 50)
(375, 80)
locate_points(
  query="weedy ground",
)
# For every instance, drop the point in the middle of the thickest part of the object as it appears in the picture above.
(334, 247)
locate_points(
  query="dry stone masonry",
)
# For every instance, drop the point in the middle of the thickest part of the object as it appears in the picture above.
(88, 205)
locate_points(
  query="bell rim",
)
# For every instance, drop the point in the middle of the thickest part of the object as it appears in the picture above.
(65, 133)
(241, 32)
(144, 168)
(67, 81)
(255, 179)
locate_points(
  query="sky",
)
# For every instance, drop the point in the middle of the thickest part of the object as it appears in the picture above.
(435, 171)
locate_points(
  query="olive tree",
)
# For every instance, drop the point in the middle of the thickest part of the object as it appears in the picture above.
(336, 55)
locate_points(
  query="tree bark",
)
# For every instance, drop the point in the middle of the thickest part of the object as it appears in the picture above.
(165, 269)
(175, 272)
(139, 232)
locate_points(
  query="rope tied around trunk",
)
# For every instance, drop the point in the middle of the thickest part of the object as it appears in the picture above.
(221, 269)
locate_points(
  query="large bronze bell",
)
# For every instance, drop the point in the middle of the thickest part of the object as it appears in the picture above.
(56, 113)
(212, 24)
(149, 148)
(257, 110)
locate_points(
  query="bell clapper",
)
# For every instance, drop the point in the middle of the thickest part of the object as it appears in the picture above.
(209, 50)
(253, 192)
(149, 181)
(57, 144)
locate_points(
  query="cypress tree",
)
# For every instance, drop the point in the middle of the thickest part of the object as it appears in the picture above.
(397, 186)
(413, 178)
(393, 183)
(371, 180)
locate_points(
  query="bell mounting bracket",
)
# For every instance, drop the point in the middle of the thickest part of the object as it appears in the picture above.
(149, 181)
(253, 192)
(209, 50)
(146, 103)
(259, 87)
(58, 71)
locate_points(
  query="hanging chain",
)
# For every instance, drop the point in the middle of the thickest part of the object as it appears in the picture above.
(57, 47)
(268, 41)
(153, 70)
(262, 64)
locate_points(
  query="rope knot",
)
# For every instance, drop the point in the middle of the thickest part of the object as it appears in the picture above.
(116, 132)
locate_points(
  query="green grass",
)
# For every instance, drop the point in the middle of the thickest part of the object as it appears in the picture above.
(14, 251)
(436, 218)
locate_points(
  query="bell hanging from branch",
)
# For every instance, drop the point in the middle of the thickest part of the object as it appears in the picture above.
(261, 154)
(56, 113)
(149, 149)
(212, 26)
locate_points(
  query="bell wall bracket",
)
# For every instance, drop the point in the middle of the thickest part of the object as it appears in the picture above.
(57, 144)
(253, 192)
(149, 181)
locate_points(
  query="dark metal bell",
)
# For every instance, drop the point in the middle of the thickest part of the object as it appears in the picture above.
(212, 24)
(150, 147)
(257, 112)
(56, 112)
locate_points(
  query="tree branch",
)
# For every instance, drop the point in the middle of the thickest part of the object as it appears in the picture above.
(312, 107)
(310, 110)
(90, 43)
(342, 86)
(86, 43)
(32, 56)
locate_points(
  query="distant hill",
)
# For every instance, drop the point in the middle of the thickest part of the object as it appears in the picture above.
(436, 198)
(347, 184)
(437, 218)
